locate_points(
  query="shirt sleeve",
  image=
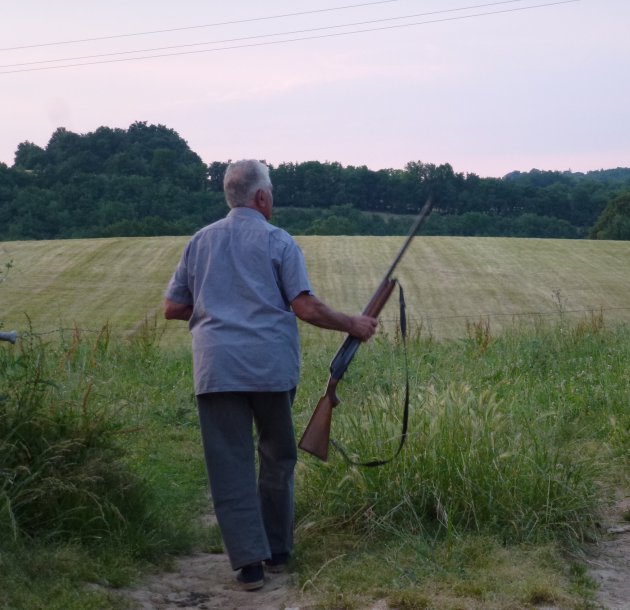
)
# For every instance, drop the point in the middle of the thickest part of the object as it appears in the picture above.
(178, 289)
(293, 272)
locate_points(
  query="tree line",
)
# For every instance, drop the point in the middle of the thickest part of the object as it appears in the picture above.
(145, 180)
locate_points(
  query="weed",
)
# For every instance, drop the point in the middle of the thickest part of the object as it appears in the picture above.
(479, 334)
(410, 600)
(62, 475)
(4, 271)
(592, 325)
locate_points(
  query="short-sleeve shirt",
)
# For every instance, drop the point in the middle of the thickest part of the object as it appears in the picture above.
(240, 275)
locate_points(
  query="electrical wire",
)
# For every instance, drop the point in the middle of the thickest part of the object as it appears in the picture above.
(197, 27)
(275, 42)
(256, 37)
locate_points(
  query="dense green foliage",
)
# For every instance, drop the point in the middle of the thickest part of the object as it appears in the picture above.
(146, 181)
(142, 181)
(614, 222)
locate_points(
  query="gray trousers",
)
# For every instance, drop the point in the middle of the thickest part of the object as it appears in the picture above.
(255, 514)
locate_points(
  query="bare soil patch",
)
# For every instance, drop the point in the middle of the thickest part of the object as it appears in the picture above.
(206, 581)
(609, 562)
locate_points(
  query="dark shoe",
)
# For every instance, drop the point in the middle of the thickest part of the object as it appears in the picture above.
(251, 577)
(278, 563)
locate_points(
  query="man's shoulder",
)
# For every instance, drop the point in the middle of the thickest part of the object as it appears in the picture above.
(282, 238)
(279, 233)
(204, 231)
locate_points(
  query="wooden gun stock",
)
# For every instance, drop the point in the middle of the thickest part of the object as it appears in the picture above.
(316, 436)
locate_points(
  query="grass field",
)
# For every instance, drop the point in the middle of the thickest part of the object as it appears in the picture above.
(448, 280)
(519, 430)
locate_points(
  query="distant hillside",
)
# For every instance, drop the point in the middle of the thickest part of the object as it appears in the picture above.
(448, 281)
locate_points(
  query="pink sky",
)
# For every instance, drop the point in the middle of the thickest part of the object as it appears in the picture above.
(546, 87)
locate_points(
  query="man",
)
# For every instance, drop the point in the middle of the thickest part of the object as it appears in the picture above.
(240, 284)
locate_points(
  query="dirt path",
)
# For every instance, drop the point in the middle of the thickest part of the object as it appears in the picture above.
(609, 564)
(206, 581)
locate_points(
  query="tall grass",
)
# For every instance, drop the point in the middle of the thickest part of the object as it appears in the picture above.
(62, 475)
(516, 443)
(95, 469)
(522, 436)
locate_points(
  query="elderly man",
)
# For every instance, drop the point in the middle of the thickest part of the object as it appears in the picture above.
(240, 284)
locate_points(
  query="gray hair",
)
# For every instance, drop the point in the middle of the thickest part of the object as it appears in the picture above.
(241, 181)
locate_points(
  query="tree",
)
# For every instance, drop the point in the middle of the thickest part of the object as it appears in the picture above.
(216, 172)
(30, 156)
(614, 222)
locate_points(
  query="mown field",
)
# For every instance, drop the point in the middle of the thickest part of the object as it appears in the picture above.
(519, 431)
(448, 280)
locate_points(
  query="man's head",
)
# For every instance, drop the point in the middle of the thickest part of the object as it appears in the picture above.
(247, 184)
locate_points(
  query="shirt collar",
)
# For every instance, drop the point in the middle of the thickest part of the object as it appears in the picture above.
(244, 212)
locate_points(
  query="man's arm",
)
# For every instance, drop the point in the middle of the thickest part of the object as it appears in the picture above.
(177, 311)
(310, 309)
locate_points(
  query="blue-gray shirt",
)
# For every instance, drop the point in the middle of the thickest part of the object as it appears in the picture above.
(240, 274)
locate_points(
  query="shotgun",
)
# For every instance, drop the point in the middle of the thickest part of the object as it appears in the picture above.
(316, 436)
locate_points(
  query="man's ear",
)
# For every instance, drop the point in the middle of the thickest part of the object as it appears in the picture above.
(262, 203)
(260, 199)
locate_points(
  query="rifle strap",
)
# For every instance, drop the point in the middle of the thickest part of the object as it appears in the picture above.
(403, 434)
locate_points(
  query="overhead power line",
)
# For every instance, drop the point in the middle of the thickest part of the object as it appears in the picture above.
(198, 27)
(275, 42)
(255, 37)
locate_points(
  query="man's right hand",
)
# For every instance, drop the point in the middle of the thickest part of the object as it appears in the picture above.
(363, 327)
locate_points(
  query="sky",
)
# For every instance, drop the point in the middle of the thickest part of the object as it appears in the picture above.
(488, 87)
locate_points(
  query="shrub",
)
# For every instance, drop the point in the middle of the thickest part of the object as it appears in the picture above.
(62, 471)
